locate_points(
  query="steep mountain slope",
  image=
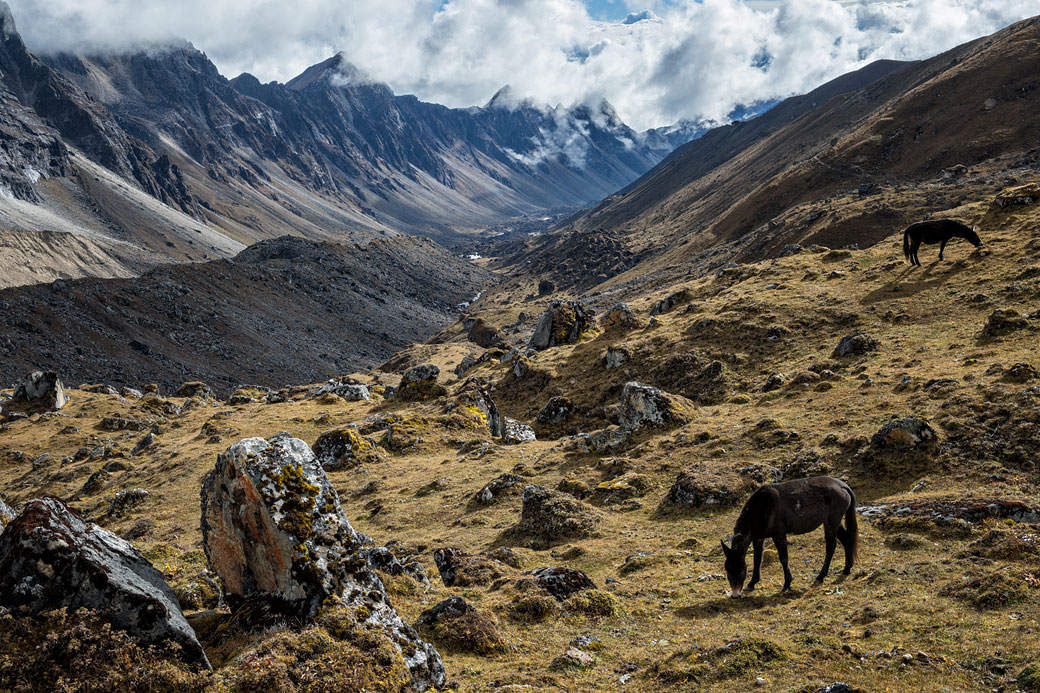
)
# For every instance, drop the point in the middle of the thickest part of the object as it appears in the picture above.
(744, 191)
(283, 310)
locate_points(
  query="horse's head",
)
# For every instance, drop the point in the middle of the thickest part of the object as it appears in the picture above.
(736, 564)
(973, 238)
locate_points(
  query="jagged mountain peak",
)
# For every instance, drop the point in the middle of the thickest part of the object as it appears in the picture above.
(337, 71)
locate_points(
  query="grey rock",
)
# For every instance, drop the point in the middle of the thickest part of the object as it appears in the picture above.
(40, 388)
(6, 513)
(562, 323)
(855, 344)
(615, 356)
(515, 432)
(50, 559)
(496, 487)
(645, 405)
(908, 432)
(608, 440)
(273, 528)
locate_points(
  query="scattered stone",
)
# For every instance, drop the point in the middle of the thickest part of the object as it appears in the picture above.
(51, 559)
(95, 482)
(620, 318)
(615, 356)
(497, 487)
(573, 658)
(146, 442)
(484, 334)
(195, 388)
(774, 382)
(556, 411)
(352, 392)
(559, 581)
(837, 687)
(672, 300)
(1003, 322)
(564, 322)
(698, 486)
(460, 569)
(609, 439)
(904, 542)
(546, 287)
(273, 529)
(126, 500)
(420, 383)
(549, 517)
(645, 405)
(1020, 373)
(908, 432)
(39, 390)
(130, 393)
(856, 344)
(344, 448)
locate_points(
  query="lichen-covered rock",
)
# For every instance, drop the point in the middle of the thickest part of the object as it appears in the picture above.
(615, 356)
(352, 392)
(39, 389)
(908, 432)
(1003, 322)
(645, 405)
(1018, 195)
(460, 569)
(559, 581)
(273, 529)
(457, 625)
(573, 658)
(6, 514)
(556, 411)
(51, 559)
(1020, 373)
(246, 394)
(774, 382)
(420, 383)
(343, 448)
(474, 398)
(498, 487)
(515, 432)
(548, 517)
(856, 344)
(698, 486)
(564, 322)
(620, 318)
(126, 500)
(609, 439)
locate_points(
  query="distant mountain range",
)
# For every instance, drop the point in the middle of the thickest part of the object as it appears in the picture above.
(156, 149)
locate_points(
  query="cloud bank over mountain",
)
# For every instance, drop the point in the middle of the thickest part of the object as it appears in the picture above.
(667, 61)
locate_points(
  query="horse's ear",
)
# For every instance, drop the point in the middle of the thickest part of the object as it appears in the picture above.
(725, 548)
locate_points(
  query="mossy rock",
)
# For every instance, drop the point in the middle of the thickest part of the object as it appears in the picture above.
(533, 608)
(454, 624)
(1004, 545)
(593, 603)
(741, 658)
(574, 486)
(343, 448)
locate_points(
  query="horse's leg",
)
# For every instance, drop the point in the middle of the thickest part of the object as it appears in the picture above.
(780, 541)
(756, 572)
(942, 247)
(915, 245)
(846, 543)
(832, 543)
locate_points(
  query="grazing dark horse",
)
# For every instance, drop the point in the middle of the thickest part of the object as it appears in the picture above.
(935, 231)
(792, 507)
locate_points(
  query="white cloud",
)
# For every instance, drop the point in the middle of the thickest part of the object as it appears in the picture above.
(684, 59)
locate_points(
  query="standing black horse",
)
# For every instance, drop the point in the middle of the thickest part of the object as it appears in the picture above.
(792, 507)
(935, 231)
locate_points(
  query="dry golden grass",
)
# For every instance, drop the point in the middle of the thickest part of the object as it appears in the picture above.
(673, 614)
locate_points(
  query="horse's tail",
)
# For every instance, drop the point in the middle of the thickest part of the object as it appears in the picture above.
(852, 526)
(906, 245)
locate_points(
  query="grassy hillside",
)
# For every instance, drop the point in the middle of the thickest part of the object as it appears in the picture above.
(946, 594)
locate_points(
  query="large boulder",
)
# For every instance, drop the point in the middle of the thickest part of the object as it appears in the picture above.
(273, 529)
(645, 405)
(564, 322)
(515, 432)
(905, 433)
(420, 383)
(620, 318)
(549, 517)
(50, 558)
(40, 390)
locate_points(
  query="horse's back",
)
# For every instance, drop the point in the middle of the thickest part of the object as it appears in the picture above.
(805, 504)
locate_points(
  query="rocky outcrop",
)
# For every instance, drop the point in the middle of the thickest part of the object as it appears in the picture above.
(670, 301)
(497, 487)
(549, 517)
(515, 432)
(646, 406)
(556, 411)
(274, 530)
(39, 390)
(50, 558)
(420, 383)
(343, 448)
(1003, 322)
(194, 388)
(484, 334)
(856, 344)
(564, 322)
(698, 487)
